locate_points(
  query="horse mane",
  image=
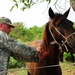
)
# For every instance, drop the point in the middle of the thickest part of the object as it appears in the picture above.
(46, 38)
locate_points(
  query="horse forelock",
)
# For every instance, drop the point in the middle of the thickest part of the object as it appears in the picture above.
(55, 20)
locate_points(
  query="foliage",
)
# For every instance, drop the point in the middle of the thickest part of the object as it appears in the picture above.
(67, 56)
(74, 25)
(18, 32)
(14, 63)
(23, 4)
(24, 34)
(26, 3)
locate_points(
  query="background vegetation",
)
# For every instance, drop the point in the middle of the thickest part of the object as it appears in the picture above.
(23, 34)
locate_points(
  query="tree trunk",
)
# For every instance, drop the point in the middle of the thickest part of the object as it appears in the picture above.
(72, 3)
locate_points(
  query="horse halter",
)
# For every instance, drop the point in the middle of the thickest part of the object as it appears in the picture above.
(63, 43)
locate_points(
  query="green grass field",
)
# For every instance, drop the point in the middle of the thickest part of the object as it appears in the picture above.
(67, 69)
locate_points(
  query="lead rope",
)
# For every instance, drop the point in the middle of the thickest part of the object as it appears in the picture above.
(1, 72)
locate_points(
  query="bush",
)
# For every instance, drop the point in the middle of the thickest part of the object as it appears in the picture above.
(67, 56)
(15, 63)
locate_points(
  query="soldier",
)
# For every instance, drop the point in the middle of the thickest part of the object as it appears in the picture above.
(10, 47)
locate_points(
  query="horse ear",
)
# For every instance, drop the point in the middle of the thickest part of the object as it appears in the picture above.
(51, 13)
(66, 13)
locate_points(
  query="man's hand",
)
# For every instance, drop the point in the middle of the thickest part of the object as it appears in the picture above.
(41, 54)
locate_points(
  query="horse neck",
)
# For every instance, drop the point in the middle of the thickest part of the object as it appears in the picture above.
(53, 54)
(52, 50)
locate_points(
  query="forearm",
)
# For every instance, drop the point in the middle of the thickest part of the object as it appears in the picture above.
(22, 53)
(23, 50)
(20, 58)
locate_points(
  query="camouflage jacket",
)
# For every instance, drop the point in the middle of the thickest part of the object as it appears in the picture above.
(10, 47)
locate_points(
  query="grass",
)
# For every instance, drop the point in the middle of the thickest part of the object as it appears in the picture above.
(17, 72)
(67, 69)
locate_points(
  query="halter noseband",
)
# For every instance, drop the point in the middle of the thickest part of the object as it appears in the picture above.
(63, 42)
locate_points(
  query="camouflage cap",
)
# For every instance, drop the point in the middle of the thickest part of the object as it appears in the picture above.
(6, 21)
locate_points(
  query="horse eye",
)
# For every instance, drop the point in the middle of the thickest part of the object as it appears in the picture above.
(58, 25)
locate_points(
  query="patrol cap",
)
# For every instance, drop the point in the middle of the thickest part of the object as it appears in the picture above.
(6, 21)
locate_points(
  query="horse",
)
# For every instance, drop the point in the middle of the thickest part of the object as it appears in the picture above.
(58, 32)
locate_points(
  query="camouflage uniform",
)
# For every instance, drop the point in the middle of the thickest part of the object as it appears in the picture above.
(10, 47)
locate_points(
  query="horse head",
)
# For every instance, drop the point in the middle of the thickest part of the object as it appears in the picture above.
(61, 30)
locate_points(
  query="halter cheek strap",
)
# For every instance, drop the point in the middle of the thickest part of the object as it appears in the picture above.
(55, 42)
(63, 42)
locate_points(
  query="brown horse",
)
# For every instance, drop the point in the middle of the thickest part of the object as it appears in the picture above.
(58, 33)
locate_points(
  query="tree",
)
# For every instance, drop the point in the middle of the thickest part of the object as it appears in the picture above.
(28, 3)
(72, 3)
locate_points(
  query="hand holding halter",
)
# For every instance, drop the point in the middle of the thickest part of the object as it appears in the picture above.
(41, 54)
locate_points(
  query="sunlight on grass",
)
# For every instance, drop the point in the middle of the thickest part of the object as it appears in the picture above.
(17, 72)
(67, 68)
(23, 72)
